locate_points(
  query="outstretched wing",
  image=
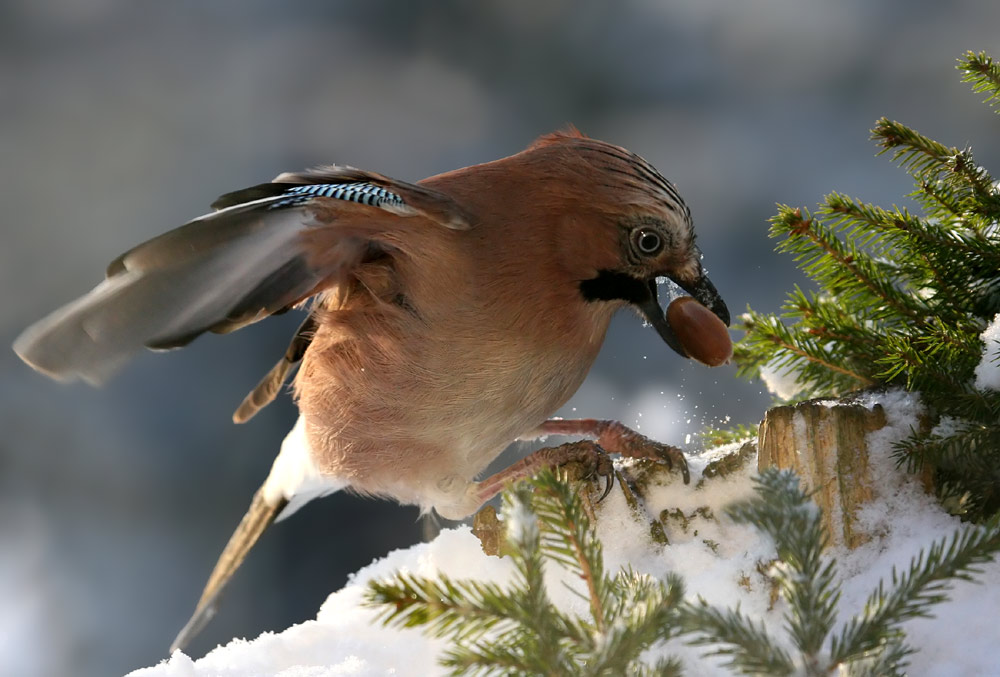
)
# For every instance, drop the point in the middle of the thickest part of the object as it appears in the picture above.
(222, 271)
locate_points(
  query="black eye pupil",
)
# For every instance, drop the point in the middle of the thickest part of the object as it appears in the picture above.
(649, 242)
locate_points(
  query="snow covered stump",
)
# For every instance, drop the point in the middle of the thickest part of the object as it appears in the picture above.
(826, 443)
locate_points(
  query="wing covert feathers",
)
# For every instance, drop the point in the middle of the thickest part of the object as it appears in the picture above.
(417, 199)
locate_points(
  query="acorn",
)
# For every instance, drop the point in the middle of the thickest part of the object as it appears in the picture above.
(701, 333)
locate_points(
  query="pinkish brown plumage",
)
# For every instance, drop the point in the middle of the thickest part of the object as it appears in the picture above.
(449, 317)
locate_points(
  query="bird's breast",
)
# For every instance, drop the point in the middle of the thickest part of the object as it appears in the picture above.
(398, 402)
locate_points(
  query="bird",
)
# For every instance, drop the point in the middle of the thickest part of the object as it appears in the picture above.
(444, 319)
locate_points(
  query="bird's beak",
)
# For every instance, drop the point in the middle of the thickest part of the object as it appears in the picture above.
(701, 289)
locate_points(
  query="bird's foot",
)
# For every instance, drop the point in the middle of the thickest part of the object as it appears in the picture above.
(587, 455)
(588, 459)
(617, 438)
(631, 444)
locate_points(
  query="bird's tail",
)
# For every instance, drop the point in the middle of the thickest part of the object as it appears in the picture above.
(258, 517)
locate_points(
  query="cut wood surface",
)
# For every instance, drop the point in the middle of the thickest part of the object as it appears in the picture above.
(825, 443)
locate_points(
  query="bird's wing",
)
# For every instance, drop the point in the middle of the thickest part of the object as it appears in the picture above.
(253, 257)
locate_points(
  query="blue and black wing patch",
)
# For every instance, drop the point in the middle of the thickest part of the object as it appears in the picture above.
(296, 195)
(336, 182)
(362, 193)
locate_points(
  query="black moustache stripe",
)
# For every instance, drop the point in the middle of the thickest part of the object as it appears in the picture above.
(610, 286)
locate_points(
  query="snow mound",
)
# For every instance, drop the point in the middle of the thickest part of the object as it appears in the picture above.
(719, 560)
(988, 370)
(781, 381)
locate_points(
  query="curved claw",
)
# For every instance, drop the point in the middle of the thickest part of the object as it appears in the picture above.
(609, 483)
(674, 458)
(603, 467)
(685, 470)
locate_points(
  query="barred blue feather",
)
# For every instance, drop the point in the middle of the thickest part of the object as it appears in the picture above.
(363, 193)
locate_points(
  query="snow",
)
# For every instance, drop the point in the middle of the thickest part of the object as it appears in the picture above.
(781, 380)
(345, 638)
(988, 370)
(719, 560)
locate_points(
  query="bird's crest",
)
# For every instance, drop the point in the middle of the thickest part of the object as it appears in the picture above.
(560, 136)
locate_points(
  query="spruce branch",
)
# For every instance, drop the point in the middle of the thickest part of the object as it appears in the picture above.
(902, 297)
(963, 164)
(805, 580)
(916, 591)
(712, 436)
(769, 341)
(966, 459)
(919, 155)
(870, 643)
(665, 667)
(478, 659)
(646, 610)
(984, 74)
(747, 645)
(837, 264)
(936, 196)
(443, 605)
(569, 541)
(518, 630)
(542, 624)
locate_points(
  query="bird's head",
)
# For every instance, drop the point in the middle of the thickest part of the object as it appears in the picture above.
(626, 227)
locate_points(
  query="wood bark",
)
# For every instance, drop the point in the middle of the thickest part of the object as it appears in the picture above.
(825, 443)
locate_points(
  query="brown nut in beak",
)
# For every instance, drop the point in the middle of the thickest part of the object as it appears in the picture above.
(702, 334)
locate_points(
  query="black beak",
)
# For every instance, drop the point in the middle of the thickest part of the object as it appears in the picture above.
(707, 295)
(701, 289)
(611, 285)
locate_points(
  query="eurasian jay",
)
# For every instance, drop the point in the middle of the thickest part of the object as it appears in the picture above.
(446, 318)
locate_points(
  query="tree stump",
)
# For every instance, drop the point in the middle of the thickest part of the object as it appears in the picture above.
(825, 443)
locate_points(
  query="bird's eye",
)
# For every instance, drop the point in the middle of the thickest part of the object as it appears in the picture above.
(648, 242)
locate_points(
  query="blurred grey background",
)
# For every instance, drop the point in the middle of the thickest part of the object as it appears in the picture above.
(120, 120)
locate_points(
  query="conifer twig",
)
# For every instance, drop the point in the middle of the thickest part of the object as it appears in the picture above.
(984, 74)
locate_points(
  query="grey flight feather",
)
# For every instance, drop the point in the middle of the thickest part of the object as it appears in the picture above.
(170, 289)
(219, 272)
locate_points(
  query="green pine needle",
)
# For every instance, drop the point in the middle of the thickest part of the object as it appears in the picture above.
(984, 74)
(915, 592)
(518, 630)
(901, 299)
(870, 643)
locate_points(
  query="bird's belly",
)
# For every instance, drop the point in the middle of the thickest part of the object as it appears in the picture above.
(415, 429)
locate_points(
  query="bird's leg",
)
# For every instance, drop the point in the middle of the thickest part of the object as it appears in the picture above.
(616, 438)
(587, 452)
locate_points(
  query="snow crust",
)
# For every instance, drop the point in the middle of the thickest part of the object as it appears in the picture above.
(781, 381)
(718, 559)
(988, 370)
